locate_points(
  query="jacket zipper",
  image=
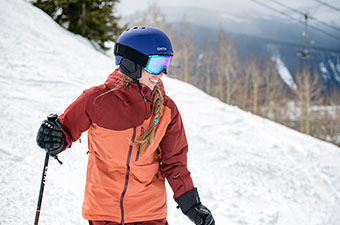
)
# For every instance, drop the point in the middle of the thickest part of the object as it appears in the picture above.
(127, 176)
(143, 96)
(141, 133)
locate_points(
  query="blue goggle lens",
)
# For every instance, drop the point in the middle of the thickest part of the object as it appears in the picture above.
(158, 63)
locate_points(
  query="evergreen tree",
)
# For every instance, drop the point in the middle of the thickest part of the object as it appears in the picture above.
(92, 19)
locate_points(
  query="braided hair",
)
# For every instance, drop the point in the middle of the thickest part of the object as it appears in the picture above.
(148, 137)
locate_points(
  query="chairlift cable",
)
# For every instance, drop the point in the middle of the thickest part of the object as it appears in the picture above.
(287, 15)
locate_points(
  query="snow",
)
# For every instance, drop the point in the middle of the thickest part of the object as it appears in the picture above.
(334, 70)
(248, 170)
(324, 71)
(284, 73)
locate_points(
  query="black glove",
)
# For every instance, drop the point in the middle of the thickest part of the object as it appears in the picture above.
(191, 206)
(50, 136)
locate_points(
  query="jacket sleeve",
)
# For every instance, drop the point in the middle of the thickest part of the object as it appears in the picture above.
(75, 119)
(174, 148)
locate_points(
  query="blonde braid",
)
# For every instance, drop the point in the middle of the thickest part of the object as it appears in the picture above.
(157, 111)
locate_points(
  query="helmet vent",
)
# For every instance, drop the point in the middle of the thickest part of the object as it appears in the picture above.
(135, 28)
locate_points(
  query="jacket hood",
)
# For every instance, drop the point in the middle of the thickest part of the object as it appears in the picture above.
(116, 77)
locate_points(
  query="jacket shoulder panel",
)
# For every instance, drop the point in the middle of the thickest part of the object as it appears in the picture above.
(168, 102)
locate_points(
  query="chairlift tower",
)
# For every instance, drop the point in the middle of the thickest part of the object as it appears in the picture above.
(305, 52)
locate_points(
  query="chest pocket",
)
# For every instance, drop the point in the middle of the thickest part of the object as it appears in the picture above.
(146, 168)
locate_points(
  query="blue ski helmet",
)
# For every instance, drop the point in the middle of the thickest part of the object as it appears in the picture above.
(138, 43)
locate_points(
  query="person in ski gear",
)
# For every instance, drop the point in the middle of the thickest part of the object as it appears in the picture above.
(136, 138)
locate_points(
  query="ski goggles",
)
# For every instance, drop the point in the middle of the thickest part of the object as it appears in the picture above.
(158, 63)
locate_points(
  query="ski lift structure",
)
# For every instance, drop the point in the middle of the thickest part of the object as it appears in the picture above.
(305, 52)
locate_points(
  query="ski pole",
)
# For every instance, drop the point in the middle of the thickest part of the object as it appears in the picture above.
(42, 185)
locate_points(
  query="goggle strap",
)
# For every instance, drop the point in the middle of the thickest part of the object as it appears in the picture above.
(130, 53)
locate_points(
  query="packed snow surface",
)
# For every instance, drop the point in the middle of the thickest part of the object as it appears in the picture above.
(248, 170)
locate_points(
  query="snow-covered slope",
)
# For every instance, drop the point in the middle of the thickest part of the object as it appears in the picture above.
(248, 170)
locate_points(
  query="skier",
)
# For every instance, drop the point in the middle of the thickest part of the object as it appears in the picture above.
(136, 138)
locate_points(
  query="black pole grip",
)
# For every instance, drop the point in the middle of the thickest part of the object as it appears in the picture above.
(42, 186)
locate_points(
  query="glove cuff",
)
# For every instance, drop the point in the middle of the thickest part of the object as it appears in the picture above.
(53, 118)
(188, 200)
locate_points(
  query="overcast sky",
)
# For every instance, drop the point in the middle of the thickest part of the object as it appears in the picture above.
(317, 10)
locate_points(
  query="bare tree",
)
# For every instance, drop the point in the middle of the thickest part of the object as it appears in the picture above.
(208, 57)
(152, 16)
(268, 74)
(334, 122)
(256, 80)
(243, 87)
(187, 45)
(227, 61)
(274, 96)
(307, 93)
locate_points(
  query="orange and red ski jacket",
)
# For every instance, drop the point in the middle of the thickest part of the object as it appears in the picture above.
(123, 185)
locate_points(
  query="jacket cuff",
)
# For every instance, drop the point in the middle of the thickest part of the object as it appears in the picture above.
(67, 138)
(187, 200)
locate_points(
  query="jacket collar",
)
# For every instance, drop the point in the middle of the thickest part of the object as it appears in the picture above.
(116, 76)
